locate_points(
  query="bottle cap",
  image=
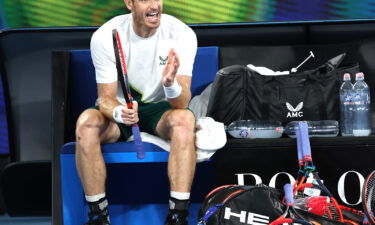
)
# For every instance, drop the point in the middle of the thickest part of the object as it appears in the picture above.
(359, 76)
(346, 76)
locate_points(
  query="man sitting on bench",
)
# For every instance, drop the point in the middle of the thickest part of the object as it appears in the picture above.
(159, 51)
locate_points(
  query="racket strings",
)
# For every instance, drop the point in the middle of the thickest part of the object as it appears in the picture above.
(368, 197)
(370, 194)
(324, 206)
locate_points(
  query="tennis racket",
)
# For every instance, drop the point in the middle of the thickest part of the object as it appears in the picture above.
(368, 197)
(290, 215)
(305, 186)
(309, 168)
(123, 79)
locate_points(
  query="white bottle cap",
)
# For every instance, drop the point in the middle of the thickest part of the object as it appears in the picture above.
(346, 76)
(359, 76)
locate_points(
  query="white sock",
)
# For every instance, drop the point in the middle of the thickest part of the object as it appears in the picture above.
(180, 195)
(95, 198)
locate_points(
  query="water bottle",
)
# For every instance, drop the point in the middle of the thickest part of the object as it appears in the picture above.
(361, 107)
(346, 106)
(255, 129)
(319, 128)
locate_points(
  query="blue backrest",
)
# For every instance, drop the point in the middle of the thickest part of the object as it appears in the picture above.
(82, 91)
(206, 65)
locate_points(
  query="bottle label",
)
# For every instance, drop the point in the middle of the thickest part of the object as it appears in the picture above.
(348, 99)
(244, 133)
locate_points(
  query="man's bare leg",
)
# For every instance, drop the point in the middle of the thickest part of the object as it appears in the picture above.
(178, 126)
(92, 129)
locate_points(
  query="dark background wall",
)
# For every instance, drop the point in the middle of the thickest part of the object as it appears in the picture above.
(27, 68)
(26, 64)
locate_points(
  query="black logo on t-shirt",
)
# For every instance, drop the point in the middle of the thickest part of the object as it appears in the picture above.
(163, 61)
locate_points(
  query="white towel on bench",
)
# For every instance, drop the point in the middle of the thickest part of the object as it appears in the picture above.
(210, 136)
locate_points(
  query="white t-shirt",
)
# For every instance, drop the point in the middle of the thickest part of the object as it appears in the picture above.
(145, 57)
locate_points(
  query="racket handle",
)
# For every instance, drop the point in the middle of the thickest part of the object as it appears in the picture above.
(365, 220)
(299, 148)
(304, 132)
(288, 190)
(141, 154)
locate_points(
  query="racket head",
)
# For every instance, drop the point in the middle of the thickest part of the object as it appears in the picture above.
(124, 68)
(121, 67)
(368, 197)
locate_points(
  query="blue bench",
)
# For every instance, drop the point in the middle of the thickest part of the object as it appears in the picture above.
(137, 189)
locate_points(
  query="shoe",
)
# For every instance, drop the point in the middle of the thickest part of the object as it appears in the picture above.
(177, 217)
(98, 220)
(98, 212)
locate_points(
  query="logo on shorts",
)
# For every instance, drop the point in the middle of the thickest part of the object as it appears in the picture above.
(163, 61)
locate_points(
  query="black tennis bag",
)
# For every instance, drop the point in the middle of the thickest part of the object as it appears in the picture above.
(240, 93)
(238, 205)
(249, 204)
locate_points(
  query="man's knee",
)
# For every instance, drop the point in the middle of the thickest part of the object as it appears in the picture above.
(182, 120)
(88, 125)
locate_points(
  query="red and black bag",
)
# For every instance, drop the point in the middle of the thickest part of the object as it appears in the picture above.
(238, 204)
(249, 204)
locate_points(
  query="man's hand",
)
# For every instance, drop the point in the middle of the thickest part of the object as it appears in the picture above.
(170, 70)
(130, 116)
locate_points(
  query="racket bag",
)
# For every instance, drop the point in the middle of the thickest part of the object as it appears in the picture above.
(240, 93)
(249, 204)
(238, 205)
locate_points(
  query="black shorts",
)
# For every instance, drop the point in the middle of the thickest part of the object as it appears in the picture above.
(149, 115)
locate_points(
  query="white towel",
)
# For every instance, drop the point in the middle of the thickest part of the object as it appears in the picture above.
(210, 136)
(266, 71)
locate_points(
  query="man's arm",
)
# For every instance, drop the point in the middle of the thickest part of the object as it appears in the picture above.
(183, 100)
(107, 102)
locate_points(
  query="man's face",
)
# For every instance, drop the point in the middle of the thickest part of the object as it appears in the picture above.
(146, 13)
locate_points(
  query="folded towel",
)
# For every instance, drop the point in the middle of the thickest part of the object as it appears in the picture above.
(210, 136)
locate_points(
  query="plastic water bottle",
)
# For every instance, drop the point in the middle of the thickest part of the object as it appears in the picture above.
(361, 113)
(346, 106)
(255, 129)
(319, 128)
